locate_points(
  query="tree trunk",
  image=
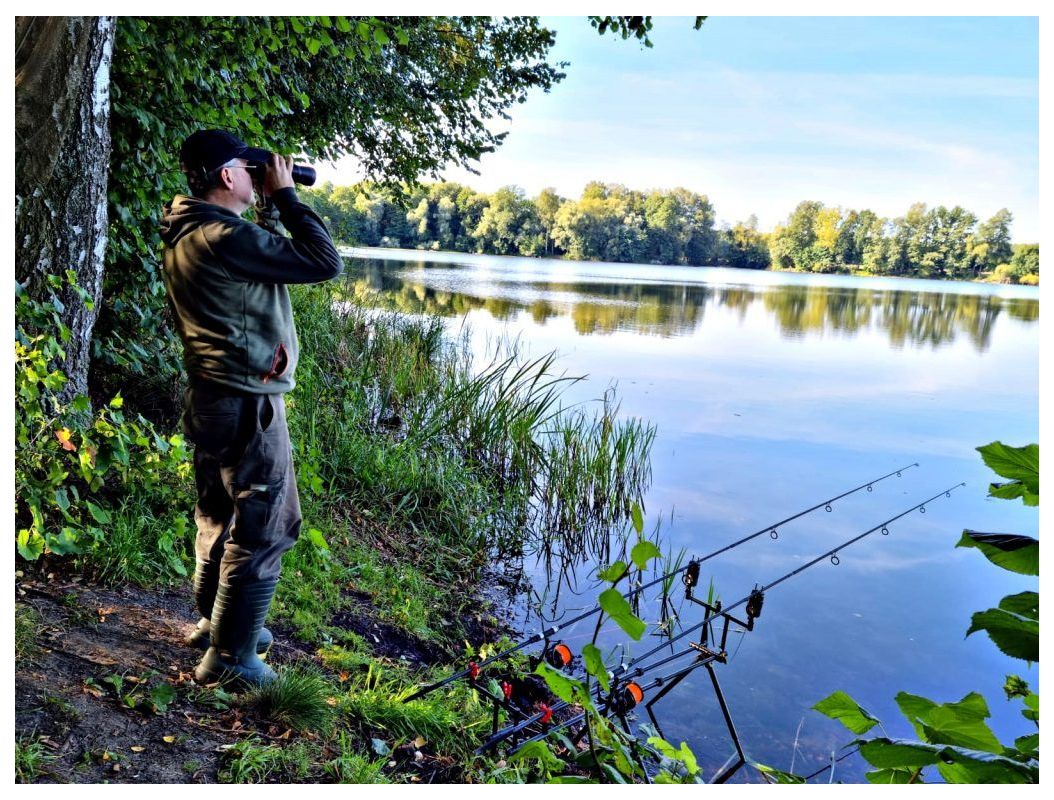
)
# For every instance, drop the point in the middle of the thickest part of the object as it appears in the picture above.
(62, 157)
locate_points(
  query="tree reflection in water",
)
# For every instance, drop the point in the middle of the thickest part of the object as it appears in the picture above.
(907, 317)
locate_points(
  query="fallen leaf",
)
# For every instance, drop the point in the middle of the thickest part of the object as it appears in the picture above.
(420, 742)
(286, 734)
(137, 748)
(418, 755)
(168, 739)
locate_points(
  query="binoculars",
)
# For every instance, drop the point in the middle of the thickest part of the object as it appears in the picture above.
(260, 158)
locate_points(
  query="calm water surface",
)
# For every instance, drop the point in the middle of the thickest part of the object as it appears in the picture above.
(770, 392)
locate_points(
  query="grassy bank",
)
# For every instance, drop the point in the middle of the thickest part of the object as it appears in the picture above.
(417, 470)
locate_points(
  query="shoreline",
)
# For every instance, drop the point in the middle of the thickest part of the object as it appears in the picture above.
(760, 276)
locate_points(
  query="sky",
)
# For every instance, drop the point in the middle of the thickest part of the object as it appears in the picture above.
(760, 113)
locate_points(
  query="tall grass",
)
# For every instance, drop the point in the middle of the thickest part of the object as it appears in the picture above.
(399, 418)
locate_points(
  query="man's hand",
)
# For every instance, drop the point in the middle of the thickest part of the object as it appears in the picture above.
(279, 174)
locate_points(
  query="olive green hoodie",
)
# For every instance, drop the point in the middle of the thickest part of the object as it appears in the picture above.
(226, 281)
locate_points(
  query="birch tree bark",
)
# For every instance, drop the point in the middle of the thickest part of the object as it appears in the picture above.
(62, 156)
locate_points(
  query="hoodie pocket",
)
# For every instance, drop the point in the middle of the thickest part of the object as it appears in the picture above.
(279, 364)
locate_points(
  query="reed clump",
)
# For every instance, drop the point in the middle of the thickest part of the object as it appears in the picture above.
(398, 417)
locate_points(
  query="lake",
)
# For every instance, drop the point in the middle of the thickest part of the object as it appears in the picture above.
(771, 392)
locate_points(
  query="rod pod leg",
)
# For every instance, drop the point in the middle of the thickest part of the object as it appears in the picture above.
(662, 693)
(741, 756)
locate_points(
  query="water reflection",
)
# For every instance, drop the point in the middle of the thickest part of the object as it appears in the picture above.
(676, 309)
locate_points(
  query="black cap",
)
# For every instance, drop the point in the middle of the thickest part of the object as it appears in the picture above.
(208, 149)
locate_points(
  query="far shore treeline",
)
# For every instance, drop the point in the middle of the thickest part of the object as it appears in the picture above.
(610, 222)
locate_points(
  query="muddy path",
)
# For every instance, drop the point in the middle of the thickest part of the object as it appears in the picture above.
(105, 686)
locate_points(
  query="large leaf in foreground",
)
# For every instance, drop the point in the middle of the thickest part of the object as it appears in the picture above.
(956, 764)
(1014, 626)
(846, 710)
(1019, 464)
(616, 607)
(961, 724)
(1007, 550)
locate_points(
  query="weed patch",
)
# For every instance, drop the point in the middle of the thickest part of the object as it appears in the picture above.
(32, 759)
(27, 625)
(300, 698)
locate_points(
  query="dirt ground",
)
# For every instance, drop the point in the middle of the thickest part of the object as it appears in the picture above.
(95, 682)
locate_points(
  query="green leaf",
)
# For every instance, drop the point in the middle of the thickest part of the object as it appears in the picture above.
(595, 665)
(638, 518)
(1012, 491)
(541, 752)
(380, 36)
(899, 753)
(316, 538)
(100, 515)
(643, 552)
(1016, 634)
(957, 766)
(682, 754)
(914, 708)
(64, 544)
(846, 710)
(613, 573)
(1010, 551)
(117, 401)
(893, 776)
(566, 688)
(773, 775)
(161, 696)
(616, 607)
(1016, 463)
(30, 544)
(1028, 745)
(1025, 604)
(1031, 711)
(961, 724)
(313, 46)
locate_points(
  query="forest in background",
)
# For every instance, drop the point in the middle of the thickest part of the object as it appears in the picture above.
(611, 222)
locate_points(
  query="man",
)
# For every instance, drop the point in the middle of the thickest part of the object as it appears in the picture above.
(226, 279)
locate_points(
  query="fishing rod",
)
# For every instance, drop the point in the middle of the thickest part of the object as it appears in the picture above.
(472, 670)
(626, 672)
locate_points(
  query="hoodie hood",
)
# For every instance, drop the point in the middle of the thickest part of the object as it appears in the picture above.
(185, 214)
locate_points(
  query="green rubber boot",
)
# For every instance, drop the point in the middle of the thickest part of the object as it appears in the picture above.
(206, 581)
(237, 618)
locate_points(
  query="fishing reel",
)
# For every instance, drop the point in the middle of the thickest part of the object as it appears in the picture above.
(624, 698)
(558, 656)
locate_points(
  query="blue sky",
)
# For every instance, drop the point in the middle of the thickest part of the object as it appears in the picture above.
(760, 113)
